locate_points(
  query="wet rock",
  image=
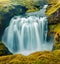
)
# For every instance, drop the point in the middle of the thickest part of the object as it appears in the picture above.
(4, 50)
(54, 18)
(5, 16)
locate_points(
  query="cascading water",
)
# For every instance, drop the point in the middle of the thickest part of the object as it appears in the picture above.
(27, 34)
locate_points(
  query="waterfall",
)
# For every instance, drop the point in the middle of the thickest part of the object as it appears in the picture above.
(25, 35)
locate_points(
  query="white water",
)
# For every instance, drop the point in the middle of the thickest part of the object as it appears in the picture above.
(26, 35)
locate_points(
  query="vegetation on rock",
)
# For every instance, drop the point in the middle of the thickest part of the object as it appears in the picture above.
(53, 2)
(35, 58)
(53, 12)
(7, 12)
(53, 9)
(32, 5)
(3, 50)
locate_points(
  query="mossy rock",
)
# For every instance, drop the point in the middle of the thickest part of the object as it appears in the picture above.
(7, 12)
(3, 50)
(52, 1)
(57, 47)
(47, 57)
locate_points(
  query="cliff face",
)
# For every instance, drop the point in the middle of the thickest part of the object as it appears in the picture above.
(53, 13)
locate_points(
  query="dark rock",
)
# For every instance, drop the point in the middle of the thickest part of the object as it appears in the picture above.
(54, 18)
(6, 16)
(4, 50)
